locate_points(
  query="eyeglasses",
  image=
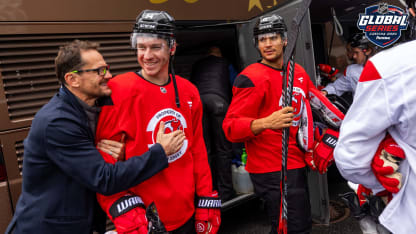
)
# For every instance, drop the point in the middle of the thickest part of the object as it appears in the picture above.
(100, 71)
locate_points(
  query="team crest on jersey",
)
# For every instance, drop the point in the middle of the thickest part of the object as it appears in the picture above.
(297, 103)
(382, 23)
(173, 120)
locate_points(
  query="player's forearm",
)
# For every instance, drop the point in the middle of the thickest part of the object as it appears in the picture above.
(257, 126)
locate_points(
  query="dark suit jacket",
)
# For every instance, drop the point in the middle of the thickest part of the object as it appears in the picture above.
(62, 170)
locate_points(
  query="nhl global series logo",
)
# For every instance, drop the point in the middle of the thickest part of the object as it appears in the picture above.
(382, 23)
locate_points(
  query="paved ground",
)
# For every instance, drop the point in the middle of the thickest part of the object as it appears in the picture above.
(249, 218)
(346, 225)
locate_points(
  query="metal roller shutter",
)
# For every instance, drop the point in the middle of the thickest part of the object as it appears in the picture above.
(28, 78)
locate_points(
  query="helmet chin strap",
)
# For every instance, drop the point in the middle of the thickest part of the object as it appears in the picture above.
(284, 45)
(171, 71)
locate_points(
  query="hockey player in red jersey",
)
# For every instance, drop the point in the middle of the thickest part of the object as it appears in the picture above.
(143, 100)
(256, 118)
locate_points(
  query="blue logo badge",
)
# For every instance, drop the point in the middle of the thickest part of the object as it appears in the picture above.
(382, 24)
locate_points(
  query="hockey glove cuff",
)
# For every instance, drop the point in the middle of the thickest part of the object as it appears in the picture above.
(129, 215)
(323, 154)
(208, 214)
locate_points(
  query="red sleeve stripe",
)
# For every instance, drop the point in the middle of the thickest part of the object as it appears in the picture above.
(369, 73)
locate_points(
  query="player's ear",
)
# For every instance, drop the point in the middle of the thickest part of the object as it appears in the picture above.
(72, 79)
(368, 51)
(172, 49)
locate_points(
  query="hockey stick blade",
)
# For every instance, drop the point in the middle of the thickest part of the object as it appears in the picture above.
(294, 32)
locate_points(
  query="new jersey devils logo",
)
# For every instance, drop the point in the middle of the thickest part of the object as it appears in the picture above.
(297, 104)
(172, 125)
(173, 120)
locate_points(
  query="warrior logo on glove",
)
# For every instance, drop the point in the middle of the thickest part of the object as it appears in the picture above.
(208, 214)
(128, 215)
(125, 204)
(323, 154)
(330, 140)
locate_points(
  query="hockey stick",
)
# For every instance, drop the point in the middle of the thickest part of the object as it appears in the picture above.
(155, 224)
(287, 89)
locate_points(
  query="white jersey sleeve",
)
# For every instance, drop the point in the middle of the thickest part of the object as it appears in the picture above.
(360, 134)
(346, 82)
(384, 101)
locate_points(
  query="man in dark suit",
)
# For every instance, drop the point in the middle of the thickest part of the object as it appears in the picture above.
(62, 168)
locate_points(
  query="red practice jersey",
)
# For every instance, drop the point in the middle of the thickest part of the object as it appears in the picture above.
(257, 93)
(139, 106)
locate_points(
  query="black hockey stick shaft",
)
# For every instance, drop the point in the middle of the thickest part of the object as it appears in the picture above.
(287, 89)
(287, 101)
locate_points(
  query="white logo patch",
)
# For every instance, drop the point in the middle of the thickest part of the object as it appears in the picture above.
(174, 120)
